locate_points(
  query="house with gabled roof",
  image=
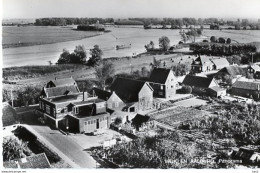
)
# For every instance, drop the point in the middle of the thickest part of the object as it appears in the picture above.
(246, 89)
(253, 68)
(60, 87)
(163, 82)
(206, 63)
(65, 107)
(113, 101)
(220, 63)
(233, 71)
(137, 95)
(61, 82)
(199, 84)
(201, 64)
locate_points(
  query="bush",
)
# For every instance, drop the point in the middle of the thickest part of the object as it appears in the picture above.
(213, 39)
(186, 89)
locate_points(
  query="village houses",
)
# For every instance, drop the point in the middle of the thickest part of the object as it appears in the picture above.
(205, 63)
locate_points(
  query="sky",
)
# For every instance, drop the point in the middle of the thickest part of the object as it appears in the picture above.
(131, 8)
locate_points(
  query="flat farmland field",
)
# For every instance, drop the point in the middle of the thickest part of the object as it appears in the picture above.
(240, 36)
(14, 36)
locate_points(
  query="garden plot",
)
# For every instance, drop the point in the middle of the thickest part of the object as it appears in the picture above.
(173, 117)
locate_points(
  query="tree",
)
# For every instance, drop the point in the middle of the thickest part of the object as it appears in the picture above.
(79, 55)
(228, 41)
(13, 148)
(118, 120)
(149, 46)
(213, 39)
(29, 95)
(184, 37)
(164, 43)
(64, 57)
(144, 72)
(155, 63)
(103, 72)
(96, 56)
(221, 40)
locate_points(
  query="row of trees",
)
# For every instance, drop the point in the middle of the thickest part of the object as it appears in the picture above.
(222, 40)
(79, 56)
(71, 21)
(222, 49)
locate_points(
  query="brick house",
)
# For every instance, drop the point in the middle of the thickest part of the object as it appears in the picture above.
(163, 83)
(246, 89)
(64, 107)
(137, 95)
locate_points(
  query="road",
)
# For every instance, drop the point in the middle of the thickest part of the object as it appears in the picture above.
(64, 146)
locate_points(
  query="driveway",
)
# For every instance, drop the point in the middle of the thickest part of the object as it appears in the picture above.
(64, 145)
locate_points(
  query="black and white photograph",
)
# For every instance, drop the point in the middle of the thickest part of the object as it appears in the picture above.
(164, 85)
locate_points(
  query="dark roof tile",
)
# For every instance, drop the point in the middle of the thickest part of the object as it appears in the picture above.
(128, 89)
(197, 81)
(63, 90)
(159, 75)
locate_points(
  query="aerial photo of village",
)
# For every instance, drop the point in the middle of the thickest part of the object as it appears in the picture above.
(169, 84)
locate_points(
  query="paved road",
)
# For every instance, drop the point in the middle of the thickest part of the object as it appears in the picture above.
(68, 149)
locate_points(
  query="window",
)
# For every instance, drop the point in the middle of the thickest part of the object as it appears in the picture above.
(58, 110)
(161, 87)
(85, 122)
(48, 110)
(54, 111)
(116, 104)
(76, 110)
(88, 122)
(172, 86)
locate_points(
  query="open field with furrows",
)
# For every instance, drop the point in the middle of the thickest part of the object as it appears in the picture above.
(19, 77)
(179, 114)
(14, 36)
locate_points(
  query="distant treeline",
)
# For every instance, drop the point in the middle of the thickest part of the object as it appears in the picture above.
(71, 21)
(90, 28)
(147, 21)
(220, 49)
